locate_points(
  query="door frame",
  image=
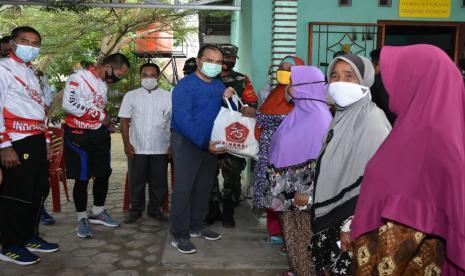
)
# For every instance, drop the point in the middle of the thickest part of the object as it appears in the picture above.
(459, 31)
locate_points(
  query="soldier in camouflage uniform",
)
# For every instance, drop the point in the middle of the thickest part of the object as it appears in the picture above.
(231, 166)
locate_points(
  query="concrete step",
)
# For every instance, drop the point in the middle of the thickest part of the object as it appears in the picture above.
(240, 249)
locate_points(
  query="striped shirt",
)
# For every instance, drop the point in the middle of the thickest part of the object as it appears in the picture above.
(150, 114)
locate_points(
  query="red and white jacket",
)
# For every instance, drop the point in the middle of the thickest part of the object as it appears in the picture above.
(84, 99)
(22, 102)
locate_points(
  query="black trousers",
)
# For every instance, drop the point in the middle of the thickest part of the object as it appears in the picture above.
(87, 155)
(99, 191)
(23, 192)
(195, 173)
(145, 168)
(231, 168)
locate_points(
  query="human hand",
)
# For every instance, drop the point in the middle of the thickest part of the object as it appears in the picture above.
(214, 149)
(346, 242)
(9, 157)
(248, 111)
(300, 200)
(106, 121)
(129, 150)
(112, 128)
(229, 92)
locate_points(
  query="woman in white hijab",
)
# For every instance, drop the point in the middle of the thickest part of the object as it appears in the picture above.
(357, 130)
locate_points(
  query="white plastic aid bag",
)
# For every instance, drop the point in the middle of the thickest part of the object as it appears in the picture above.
(235, 132)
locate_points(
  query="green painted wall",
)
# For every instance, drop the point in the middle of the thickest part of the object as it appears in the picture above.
(362, 11)
(252, 34)
(241, 35)
(251, 30)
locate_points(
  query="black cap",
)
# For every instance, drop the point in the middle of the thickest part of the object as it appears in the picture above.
(190, 65)
(229, 50)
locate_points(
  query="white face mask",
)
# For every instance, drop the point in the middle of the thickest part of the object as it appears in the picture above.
(346, 93)
(149, 83)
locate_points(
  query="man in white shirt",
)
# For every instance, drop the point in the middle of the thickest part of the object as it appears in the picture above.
(145, 117)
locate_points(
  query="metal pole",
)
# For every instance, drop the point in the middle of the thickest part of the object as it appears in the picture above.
(125, 5)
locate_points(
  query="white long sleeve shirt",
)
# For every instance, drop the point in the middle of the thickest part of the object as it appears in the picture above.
(150, 114)
(84, 100)
(22, 101)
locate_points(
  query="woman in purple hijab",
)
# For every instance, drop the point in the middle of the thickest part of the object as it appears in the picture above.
(294, 148)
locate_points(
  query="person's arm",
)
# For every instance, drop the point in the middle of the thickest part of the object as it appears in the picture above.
(9, 157)
(5, 78)
(170, 114)
(250, 98)
(128, 148)
(182, 108)
(125, 117)
(248, 95)
(48, 97)
(346, 240)
(74, 104)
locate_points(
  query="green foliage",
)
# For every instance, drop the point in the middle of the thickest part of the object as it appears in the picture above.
(71, 34)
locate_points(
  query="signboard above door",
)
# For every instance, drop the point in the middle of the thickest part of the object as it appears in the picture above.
(425, 8)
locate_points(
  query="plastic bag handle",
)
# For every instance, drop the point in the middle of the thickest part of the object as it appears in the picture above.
(239, 100)
(228, 103)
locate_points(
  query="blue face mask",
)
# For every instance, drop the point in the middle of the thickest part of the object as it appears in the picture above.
(211, 70)
(26, 53)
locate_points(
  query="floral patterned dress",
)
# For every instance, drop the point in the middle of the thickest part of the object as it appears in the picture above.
(269, 124)
(286, 182)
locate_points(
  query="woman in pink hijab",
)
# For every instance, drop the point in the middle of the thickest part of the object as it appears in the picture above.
(410, 215)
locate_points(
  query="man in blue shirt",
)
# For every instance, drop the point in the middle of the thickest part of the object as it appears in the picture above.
(196, 103)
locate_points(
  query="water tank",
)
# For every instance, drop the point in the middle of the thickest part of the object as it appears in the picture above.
(155, 41)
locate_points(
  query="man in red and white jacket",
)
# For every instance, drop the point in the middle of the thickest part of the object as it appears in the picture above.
(24, 151)
(87, 138)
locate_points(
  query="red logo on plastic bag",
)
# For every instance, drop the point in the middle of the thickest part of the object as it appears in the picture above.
(236, 132)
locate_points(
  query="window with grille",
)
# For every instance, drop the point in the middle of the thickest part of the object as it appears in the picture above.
(386, 3)
(346, 3)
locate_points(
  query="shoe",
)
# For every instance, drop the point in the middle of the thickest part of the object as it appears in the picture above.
(206, 234)
(18, 255)
(184, 246)
(214, 213)
(104, 219)
(282, 251)
(272, 240)
(83, 229)
(229, 222)
(38, 244)
(158, 215)
(228, 213)
(132, 218)
(46, 218)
